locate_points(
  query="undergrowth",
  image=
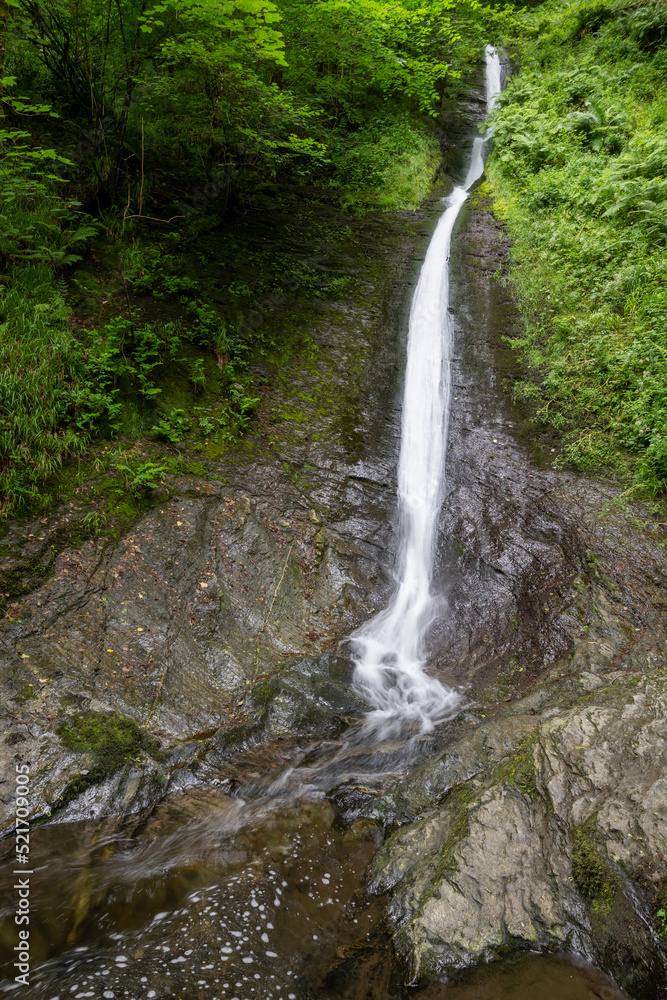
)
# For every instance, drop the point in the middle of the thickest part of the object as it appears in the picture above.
(388, 164)
(579, 172)
(61, 385)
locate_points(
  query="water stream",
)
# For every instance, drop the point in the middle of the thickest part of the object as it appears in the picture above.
(390, 649)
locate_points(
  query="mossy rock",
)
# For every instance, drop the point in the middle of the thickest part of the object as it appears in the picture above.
(519, 769)
(26, 693)
(593, 875)
(111, 739)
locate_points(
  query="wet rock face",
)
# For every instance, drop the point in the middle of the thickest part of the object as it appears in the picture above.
(541, 825)
(559, 845)
(509, 551)
(172, 625)
(215, 607)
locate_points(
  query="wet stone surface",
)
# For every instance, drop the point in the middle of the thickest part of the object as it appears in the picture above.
(542, 826)
(235, 580)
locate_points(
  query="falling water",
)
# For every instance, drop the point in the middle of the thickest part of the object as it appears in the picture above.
(493, 83)
(389, 650)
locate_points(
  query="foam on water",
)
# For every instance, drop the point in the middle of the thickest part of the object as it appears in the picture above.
(389, 650)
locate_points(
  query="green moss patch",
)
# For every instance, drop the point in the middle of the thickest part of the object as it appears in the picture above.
(519, 769)
(112, 739)
(458, 800)
(593, 875)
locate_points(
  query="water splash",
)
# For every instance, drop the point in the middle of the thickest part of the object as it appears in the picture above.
(389, 650)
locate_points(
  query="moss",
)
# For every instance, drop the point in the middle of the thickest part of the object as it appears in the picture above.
(22, 578)
(519, 769)
(123, 508)
(26, 692)
(112, 740)
(193, 469)
(458, 801)
(593, 875)
(263, 694)
(79, 784)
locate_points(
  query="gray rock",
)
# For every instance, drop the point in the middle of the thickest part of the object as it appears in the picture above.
(559, 845)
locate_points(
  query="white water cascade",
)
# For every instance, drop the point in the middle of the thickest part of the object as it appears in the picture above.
(389, 649)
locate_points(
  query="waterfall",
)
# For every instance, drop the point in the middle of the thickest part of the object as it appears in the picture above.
(389, 650)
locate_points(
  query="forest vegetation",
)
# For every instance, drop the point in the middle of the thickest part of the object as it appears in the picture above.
(580, 173)
(131, 128)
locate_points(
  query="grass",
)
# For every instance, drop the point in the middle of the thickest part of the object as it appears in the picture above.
(579, 172)
(40, 384)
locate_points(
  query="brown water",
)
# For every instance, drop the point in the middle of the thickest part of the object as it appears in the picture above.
(189, 907)
(534, 977)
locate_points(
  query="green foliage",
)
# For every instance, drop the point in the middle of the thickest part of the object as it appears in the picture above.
(94, 522)
(388, 164)
(38, 226)
(173, 426)
(159, 112)
(152, 270)
(242, 406)
(580, 172)
(235, 89)
(43, 389)
(20, 159)
(141, 476)
(197, 375)
(346, 55)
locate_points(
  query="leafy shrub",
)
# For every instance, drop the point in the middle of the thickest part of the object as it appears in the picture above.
(152, 270)
(173, 426)
(141, 476)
